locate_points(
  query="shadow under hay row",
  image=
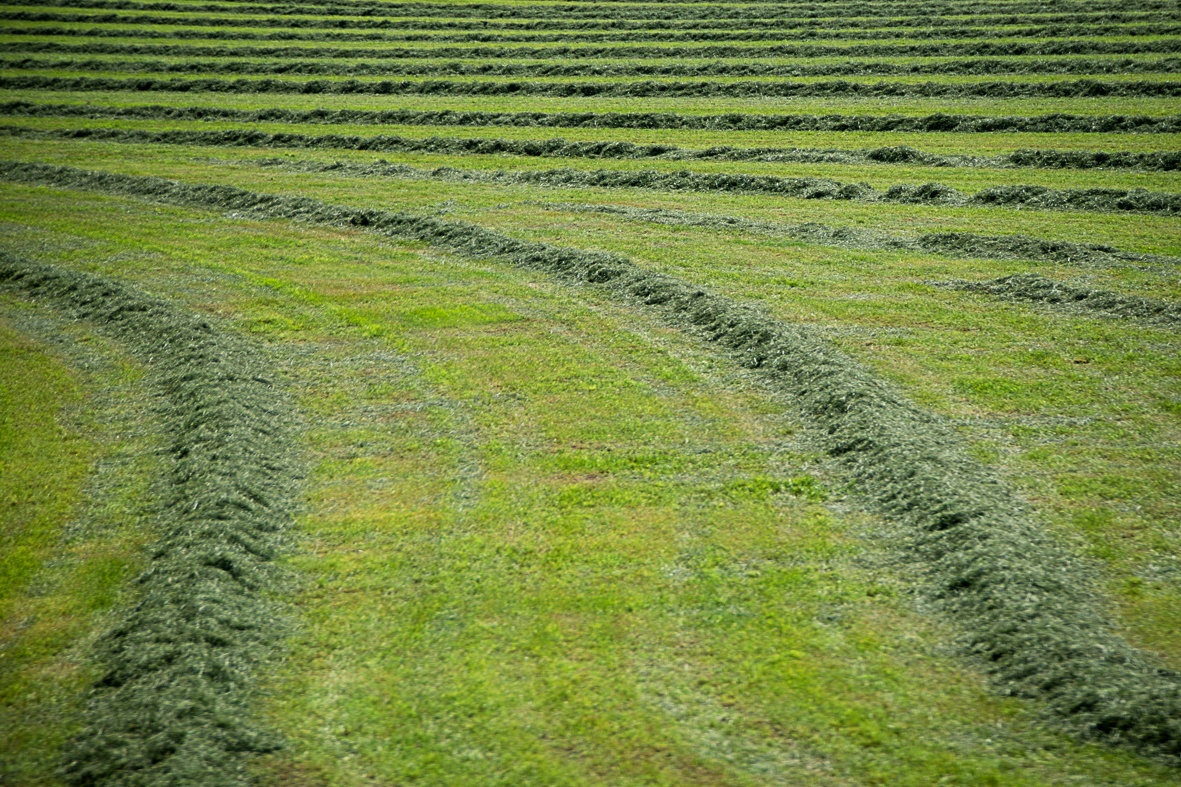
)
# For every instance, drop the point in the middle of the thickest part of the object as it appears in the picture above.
(172, 704)
(1027, 615)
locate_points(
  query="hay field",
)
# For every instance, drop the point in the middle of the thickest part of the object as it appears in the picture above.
(590, 393)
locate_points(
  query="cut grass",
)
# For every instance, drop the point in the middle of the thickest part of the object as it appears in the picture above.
(1132, 233)
(78, 455)
(1098, 107)
(547, 540)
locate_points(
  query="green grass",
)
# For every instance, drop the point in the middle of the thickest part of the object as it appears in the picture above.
(1153, 107)
(880, 176)
(73, 496)
(1128, 232)
(546, 540)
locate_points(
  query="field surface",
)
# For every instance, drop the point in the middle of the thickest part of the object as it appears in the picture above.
(590, 393)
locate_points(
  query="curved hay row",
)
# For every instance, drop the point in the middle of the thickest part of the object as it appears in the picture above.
(171, 704)
(1026, 615)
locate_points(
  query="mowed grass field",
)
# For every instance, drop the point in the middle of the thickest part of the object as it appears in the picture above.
(590, 393)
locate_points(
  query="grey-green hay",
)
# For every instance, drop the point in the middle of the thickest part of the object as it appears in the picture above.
(1079, 88)
(1023, 196)
(952, 244)
(1038, 289)
(171, 707)
(940, 121)
(1028, 614)
(903, 155)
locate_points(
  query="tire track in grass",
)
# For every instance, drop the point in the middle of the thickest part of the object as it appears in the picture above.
(939, 122)
(1028, 613)
(172, 705)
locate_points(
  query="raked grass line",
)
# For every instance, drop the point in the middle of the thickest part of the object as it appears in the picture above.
(1028, 613)
(1105, 192)
(171, 701)
(1094, 241)
(1132, 46)
(877, 168)
(451, 638)
(646, 11)
(781, 22)
(962, 70)
(765, 90)
(957, 135)
(1102, 110)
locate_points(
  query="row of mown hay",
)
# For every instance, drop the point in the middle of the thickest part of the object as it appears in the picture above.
(695, 9)
(621, 52)
(606, 149)
(172, 704)
(548, 69)
(1027, 613)
(1058, 123)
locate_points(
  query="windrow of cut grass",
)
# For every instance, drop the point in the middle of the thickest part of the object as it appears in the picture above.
(1028, 615)
(949, 244)
(939, 122)
(783, 16)
(1099, 107)
(1081, 88)
(172, 703)
(1007, 48)
(762, 35)
(647, 11)
(560, 148)
(1085, 23)
(554, 69)
(1056, 294)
